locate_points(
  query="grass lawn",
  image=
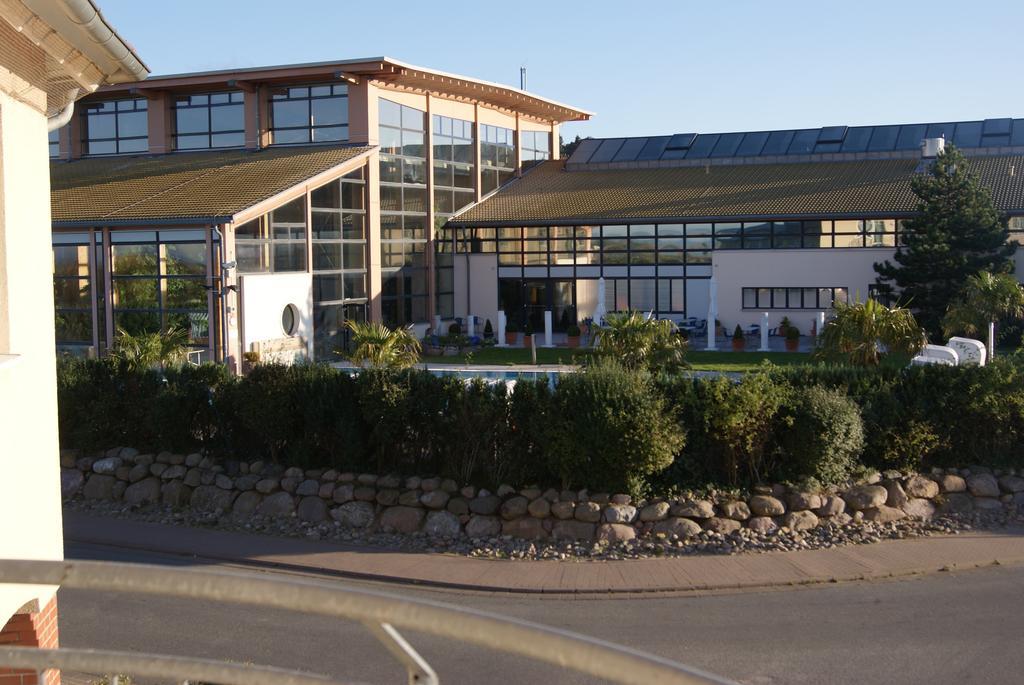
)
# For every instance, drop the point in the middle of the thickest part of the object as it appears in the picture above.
(700, 360)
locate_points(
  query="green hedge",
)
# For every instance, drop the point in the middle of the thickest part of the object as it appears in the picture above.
(605, 428)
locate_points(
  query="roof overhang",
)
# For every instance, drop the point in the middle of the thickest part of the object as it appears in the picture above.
(383, 70)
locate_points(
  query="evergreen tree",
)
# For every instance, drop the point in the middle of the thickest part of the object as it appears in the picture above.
(957, 233)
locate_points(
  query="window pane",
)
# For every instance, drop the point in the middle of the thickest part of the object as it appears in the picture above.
(131, 124)
(186, 259)
(289, 257)
(327, 256)
(134, 259)
(191, 120)
(230, 118)
(136, 293)
(185, 293)
(287, 113)
(329, 112)
(749, 298)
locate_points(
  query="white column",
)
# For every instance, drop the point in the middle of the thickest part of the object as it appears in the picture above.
(437, 325)
(470, 321)
(991, 340)
(501, 329)
(712, 314)
(821, 322)
(547, 329)
(764, 332)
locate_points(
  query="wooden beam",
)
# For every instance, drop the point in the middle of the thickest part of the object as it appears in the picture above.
(247, 86)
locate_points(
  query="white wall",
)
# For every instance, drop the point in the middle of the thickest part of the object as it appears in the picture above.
(734, 270)
(30, 506)
(481, 293)
(264, 298)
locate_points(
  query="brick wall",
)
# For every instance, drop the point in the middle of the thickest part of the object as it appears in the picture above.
(31, 629)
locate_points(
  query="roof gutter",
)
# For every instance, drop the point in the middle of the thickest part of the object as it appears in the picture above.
(91, 22)
(167, 221)
(64, 116)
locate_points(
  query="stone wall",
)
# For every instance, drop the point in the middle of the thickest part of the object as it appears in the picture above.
(442, 508)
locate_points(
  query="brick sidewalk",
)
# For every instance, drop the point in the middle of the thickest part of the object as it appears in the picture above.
(699, 573)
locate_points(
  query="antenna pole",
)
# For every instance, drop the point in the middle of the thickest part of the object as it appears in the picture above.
(522, 78)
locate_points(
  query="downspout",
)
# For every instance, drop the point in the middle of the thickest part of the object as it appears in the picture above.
(223, 297)
(64, 116)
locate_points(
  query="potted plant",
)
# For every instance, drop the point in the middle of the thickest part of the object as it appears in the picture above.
(784, 325)
(527, 335)
(572, 335)
(511, 333)
(738, 341)
(792, 339)
(488, 330)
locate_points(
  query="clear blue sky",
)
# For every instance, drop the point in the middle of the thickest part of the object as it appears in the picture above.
(643, 67)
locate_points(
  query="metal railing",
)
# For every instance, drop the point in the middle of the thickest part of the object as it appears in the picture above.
(381, 613)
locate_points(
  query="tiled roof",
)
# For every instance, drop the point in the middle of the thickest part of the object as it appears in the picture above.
(182, 186)
(868, 188)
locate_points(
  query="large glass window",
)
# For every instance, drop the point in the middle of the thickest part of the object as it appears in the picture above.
(536, 147)
(274, 242)
(115, 127)
(792, 298)
(309, 114)
(54, 139)
(497, 157)
(209, 120)
(159, 280)
(403, 205)
(339, 259)
(72, 289)
(454, 188)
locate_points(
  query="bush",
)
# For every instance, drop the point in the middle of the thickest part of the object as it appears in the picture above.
(822, 438)
(611, 429)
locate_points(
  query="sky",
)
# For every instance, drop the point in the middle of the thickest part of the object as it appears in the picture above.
(642, 67)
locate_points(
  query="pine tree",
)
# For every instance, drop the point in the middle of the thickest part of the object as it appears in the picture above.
(957, 233)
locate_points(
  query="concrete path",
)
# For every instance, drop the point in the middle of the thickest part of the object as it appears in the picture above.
(700, 573)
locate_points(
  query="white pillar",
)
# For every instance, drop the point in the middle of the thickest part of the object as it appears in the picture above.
(437, 325)
(821, 322)
(470, 321)
(547, 329)
(712, 314)
(764, 332)
(501, 329)
(991, 340)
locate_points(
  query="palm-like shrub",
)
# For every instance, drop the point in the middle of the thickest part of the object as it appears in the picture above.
(985, 298)
(639, 342)
(381, 347)
(858, 333)
(137, 352)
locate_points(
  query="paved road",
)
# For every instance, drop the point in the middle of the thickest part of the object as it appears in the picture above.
(946, 628)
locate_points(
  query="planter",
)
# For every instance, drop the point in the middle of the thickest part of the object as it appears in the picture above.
(792, 345)
(738, 345)
(573, 340)
(511, 337)
(527, 341)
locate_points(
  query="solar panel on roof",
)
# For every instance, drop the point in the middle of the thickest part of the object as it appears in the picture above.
(940, 131)
(752, 144)
(777, 143)
(653, 149)
(1017, 137)
(629, 150)
(803, 142)
(883, 138)
(584, 150)
(967, 134)
(910, 136)
(727, 144)
(997, 127)
(681, 141)
(607, 151)
(832, 134)
(702, 146)
(856, 139)
(827, 147)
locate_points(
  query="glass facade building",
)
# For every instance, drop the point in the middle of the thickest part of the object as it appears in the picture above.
(454, 167)
(115, 127)
(309, 114)
(209, 120)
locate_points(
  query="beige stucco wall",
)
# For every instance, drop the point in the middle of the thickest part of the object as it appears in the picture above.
(479, 295)
(30, 508)
(851, 268)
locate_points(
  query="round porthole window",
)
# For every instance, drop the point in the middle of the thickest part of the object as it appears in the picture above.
(290, 319)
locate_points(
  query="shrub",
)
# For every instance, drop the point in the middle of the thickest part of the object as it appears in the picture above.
(476, 425)
(611, 429)
(822, 438)
(525, 459)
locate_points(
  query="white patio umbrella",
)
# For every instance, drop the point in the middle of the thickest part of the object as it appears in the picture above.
(599, 307)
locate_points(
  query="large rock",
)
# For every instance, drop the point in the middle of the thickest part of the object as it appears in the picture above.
(435, 499)
(619, 513)
(307, 488)
(574, 530)
(696, 509)
(718, 524)
(480, 526)
(387, 497)
(402, 519)
(588, 511)
(656, 511)
(174, 472)
(354, 514)
(883, 514)
(952, 483)
(442, 524)
(863, 497)
(342, 493)
(804, 501)
(762, 524)
(485, 505)
(107, 466)
(921, 487)
(957, 503)
(193, 478)
(138, 472)
(410, 498)
(248, 482)
(765, 505)
(987, 504)
(563, 510)
(615, 532)
(539, 508)
(312, 509)
(71, 481)
(737, 510)
(831, 505)
(458, 506)
(1012, 484)
(175, 494)
(267, 485)
(211, 498)
(527, 528)
(246, 504)
(800, 520)
(919, 508)
(146, 491)
(981, 485)
(897, 496)
(514, 507)
(99, 486)
(677, 525)
(277, 504)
